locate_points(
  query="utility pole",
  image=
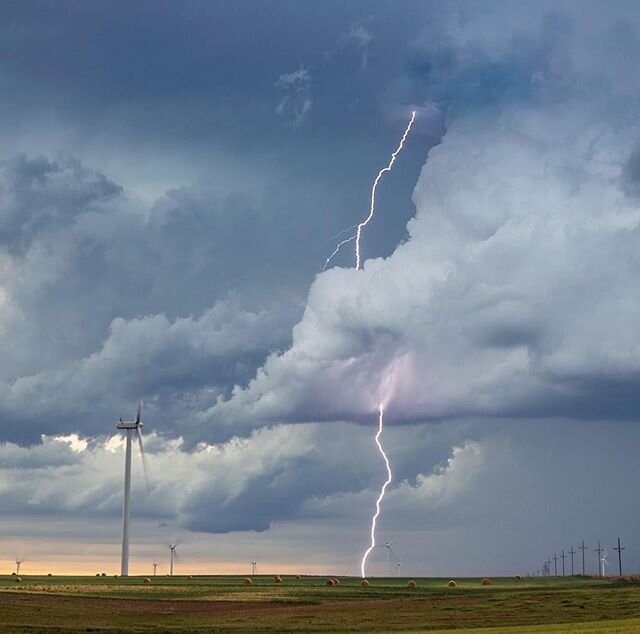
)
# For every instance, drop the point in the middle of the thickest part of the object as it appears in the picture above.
(563, 557)
(555, 565)
(572, 553)
(583, 548)
(599, 551)
(619, 550)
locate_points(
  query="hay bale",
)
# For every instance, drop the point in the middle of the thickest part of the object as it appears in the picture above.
(364, 583)
(330, 582)
(97, 574)
(298, 577)
(115, 576)
(146, 580)
(104, 574)
(190, 576)
(486, 582)
(17, 579)
(336, 581)
(13, 574)
(452, 584)
(49, 574)
(278, 579)
(411, 584)
(247, 581)
(517, 577)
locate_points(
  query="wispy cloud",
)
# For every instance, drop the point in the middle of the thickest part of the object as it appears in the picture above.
(295, 101)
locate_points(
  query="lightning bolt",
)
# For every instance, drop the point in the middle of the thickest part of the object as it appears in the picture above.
(372, 209)
(326, 264)
(359, 227)
(374, 519)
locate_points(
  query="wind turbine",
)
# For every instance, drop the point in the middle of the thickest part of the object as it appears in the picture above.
(253, 567)
(391, 554)
(130, 427)
(18, 562)
(603, 562)
(155, 567)
(172, 549)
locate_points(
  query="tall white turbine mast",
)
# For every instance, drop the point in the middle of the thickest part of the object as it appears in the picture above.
(18, 562)
(172, 549)
(130, 427)
(155, 568)
(253, 567)
(603, 562)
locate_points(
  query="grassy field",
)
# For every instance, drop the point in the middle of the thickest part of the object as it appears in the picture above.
(223, 604)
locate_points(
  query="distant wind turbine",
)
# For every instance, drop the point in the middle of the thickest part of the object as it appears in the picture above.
(392, 557)
(130, 427)
(603, 562)
(253, 567)
(172, 551)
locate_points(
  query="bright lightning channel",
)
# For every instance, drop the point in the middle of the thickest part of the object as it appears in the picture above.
(374, 519)
(326, 264)
(372, 209)
(359, 227)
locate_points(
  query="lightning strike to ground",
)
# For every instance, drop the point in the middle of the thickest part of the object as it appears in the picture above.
(374, 519)
(372, 209)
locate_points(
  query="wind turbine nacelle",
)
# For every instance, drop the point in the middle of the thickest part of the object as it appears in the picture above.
(124, 424)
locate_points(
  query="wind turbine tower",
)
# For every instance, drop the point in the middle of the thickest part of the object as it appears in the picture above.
(130, 427)
(155, 568)
(172, 550)
(18, 562)
(253, 567)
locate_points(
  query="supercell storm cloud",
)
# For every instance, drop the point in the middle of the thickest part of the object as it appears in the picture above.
(166, 242)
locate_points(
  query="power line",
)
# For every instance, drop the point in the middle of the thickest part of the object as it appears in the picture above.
(583, 548)
(599, 550)
(619, 549)
(572, 553)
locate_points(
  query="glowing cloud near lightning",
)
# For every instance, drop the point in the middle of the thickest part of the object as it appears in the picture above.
(374, 519)
(359, 227)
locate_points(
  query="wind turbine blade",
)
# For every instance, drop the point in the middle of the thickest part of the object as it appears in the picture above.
(144, 460)
(139, 412)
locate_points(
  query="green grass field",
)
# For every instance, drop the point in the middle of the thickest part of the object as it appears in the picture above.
(223, 604)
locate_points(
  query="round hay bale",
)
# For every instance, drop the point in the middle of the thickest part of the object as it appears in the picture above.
(411, 584)
(115, 576)
(278, 579)
(49, 574)
(452, 584)
(336, 581)
(146, 580)
(190, 576)
(13, 574)
(486, 582)
(104, 574)
(517, 577)
(247, 581)
(97, 574)
(364, 583)
(298, 577)
(330, 582)
(17, 579)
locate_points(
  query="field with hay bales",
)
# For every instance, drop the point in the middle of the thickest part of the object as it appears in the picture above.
(318, 604)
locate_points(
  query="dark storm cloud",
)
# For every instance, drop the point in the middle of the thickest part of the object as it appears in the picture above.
(172, 258)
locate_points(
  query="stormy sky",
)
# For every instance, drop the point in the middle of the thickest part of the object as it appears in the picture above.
(173, 177)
